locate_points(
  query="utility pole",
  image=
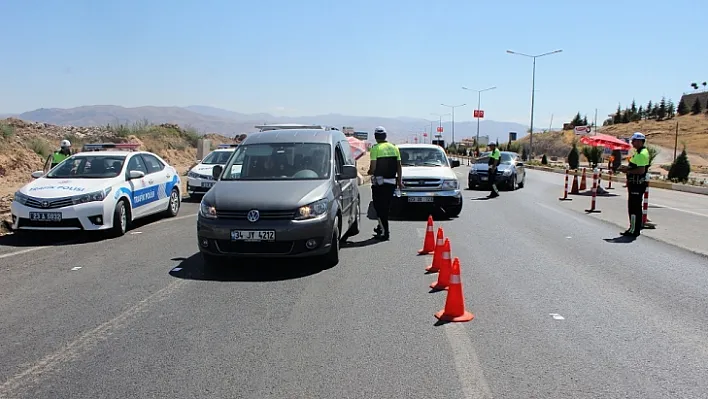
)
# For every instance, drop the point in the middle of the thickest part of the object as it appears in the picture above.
(676, 140)
(453, 118)
(594, 123)
(479, 105)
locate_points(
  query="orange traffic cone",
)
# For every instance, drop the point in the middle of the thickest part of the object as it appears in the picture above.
(583, 183)
(444, 276)
(437, 256)
(455, 302)
(429, 242)
(574, 189)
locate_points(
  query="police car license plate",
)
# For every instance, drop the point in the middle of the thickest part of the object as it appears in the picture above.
(420, 199)
(207, 183)
(45, 216)
(252, 235)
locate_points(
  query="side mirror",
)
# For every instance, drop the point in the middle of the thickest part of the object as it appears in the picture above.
(454, 163)
(216, 172)
(135, 174)
(37, 174)
(197, 161)
(348, 172)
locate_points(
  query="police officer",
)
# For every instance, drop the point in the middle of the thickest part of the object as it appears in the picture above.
(636, 184)
(58, 156)
(385, 169)
(494, 159)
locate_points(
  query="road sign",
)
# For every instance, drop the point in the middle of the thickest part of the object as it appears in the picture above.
(579, 130)
(440, 129)
(479, 113)
(512, 136)
(425, 134)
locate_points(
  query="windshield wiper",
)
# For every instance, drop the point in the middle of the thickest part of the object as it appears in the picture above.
(407, 164)
(432, 163)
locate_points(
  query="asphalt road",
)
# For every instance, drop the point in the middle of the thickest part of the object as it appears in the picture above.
(560, 313)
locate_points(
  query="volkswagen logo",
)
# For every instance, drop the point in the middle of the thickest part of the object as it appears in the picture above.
(45, 204)
(253, 215)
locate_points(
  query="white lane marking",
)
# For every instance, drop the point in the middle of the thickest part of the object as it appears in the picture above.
(83, 343)
(569, 237)
(176, 269)
(467, 365)
(556, 316)
(75, 268)
(136, 232)
(24, 251)
(678, 209)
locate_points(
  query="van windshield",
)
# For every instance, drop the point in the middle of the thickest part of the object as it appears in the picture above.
(280, 161)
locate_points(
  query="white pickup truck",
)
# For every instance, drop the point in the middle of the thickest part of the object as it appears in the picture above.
(428, 180)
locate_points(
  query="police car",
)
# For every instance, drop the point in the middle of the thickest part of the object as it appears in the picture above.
(199, 179)
(103, 187)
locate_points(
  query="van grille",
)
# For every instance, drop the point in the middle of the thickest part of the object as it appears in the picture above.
(264, 215)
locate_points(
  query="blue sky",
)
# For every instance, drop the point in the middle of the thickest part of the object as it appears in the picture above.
(361, 57)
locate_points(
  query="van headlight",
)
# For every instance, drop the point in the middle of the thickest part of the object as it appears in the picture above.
(207, 210)
(451, 184)
(313, 210)
(95, 196)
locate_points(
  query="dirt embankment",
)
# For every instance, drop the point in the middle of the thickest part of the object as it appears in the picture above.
(25, 146)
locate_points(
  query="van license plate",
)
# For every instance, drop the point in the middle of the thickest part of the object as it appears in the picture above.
(420, 199)
(45, 216)
(207, 184)
(252, 235)
(484, 178)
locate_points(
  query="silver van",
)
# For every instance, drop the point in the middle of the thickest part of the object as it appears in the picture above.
(282, 193)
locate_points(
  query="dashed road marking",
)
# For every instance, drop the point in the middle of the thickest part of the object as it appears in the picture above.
(469, 370)
(75, 268)
(28, 250)
(556, 316)
(176, 269)
(136, 232)
(82, 344)
(679, 210)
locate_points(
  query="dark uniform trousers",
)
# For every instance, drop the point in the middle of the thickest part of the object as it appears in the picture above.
(635, 205)
(382, 196)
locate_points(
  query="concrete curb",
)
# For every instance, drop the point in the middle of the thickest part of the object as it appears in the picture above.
(652, 183)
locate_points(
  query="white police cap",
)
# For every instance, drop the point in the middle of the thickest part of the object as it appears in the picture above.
(638, 136)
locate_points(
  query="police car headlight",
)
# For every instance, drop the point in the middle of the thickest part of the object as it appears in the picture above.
(207, 210)
(20, 198)
(312, 210)
(193, 175)
(507, 172)
(95, 196)
(451, 185)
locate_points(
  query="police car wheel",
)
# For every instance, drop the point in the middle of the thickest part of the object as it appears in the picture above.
(174, 204)
(120, 219)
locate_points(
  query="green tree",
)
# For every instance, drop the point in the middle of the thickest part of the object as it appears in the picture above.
(649, 108)
(625, 116)
(633, 109)
(661, 111)
(639, 115)
(670, 109)
(697, 107)
(618, 115)
(525, 154)
(577, 120)
(655, 111)
(682, 109)
(585, 121)
(653, 152)
(544, 160)
(574, 157)
(680, 168)
(593, 155)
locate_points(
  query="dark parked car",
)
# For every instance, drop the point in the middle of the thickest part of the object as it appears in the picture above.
(510, 173)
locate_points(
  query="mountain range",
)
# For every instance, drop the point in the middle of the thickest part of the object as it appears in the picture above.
(206, 119)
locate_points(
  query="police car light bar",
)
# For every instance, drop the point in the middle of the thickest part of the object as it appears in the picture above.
(110, 146)
(228, 145)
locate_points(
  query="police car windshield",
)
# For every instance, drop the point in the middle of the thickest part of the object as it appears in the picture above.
(506, 158)
(422, 157)
(217, 158)
(279, 161)
(88, 167)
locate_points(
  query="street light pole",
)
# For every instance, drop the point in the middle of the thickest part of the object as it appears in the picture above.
(533, 88)
(479, 105)
(453, 118)
(439, 123)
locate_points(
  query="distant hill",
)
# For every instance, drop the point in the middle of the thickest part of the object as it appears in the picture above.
(208, 119)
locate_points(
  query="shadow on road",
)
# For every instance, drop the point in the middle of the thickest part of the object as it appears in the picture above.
(411, 216)
(38, 238)
(620, 240)
(251, 270)
(359, 244)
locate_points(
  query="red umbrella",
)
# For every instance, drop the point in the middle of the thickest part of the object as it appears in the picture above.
(358, 146)
(604, 140)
